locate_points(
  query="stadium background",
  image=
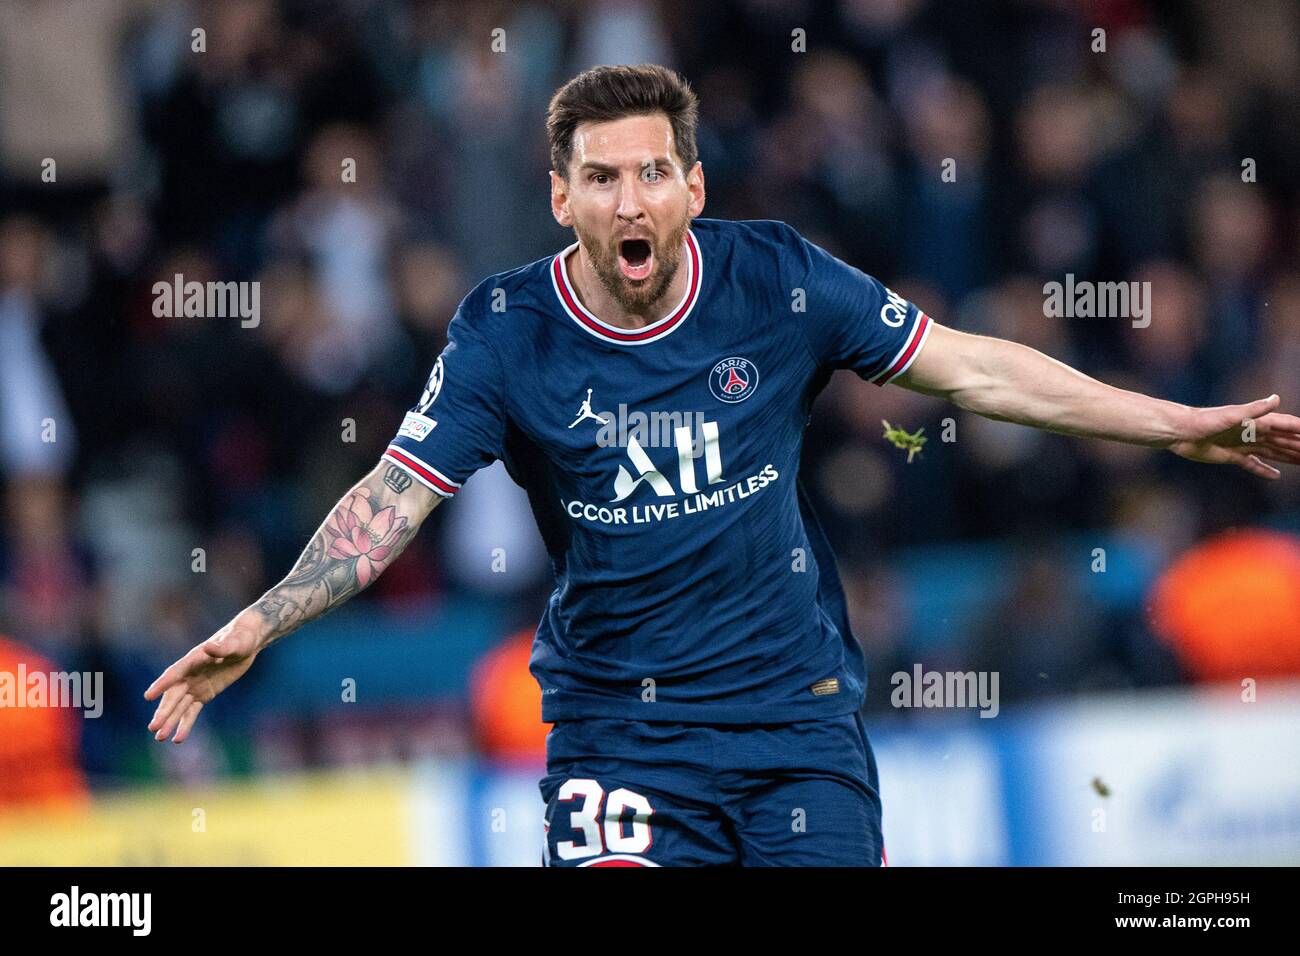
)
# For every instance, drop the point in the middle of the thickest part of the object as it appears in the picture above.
(1121, 692)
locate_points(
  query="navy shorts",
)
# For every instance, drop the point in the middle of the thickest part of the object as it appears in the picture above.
(638, 793)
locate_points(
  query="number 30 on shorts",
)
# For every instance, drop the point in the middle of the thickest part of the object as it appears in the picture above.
(606, 832)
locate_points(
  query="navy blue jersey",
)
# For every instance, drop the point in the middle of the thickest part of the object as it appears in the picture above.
(693, 582)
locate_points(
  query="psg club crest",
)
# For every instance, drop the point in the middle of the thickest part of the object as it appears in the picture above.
(733, 380)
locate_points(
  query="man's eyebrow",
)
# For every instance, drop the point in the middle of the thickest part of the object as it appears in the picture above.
(606, 168)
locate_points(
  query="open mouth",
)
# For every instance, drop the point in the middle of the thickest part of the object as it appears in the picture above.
(635, 258)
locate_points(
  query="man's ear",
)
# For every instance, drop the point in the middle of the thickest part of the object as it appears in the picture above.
(695, 183)
(560, 200)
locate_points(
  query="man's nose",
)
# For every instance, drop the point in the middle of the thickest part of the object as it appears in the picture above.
(629, 200)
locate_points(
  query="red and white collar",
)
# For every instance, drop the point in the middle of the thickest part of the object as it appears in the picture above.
(611, 333)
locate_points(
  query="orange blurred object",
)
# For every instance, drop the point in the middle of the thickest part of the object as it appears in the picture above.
(507, 703)
(38, 745)
(1230, 606)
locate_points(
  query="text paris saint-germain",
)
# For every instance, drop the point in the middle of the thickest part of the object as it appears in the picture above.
(649, 513)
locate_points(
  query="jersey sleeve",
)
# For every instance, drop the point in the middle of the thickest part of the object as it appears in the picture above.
(850, 319)
(458, 424)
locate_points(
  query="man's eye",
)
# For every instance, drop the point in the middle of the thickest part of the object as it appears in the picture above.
(653, 175)
(599, 178)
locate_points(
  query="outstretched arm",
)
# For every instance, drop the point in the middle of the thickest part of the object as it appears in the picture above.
(363, 535)
(369, 527)
(1007, 381)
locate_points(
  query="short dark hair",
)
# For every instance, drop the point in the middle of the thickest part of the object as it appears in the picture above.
(606, 93)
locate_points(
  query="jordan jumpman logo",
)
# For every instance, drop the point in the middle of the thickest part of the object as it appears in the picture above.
(585, 412)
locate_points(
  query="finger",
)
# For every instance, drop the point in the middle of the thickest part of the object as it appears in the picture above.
(1277, 440)
(1253, 465)
(174, 715)
(1271, 448)
(167, 705)
(1286, 450)
(1275, 423)
(1261, 407)
(169, 725)
(165, 680)
(1232, 416)
(1280, 458)
(187, 722)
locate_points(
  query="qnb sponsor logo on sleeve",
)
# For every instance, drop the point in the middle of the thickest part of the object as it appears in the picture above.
(894, 311)
(129, 910)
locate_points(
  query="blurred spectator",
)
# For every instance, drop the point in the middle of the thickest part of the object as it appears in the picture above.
(1230, 607)
(507, 703)
(1044, 637)
(344, 225)
(38, 745)
(45, 575)
(64, 95)
(36, 432)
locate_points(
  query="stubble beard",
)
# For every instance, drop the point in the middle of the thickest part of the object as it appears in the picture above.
(637, 297)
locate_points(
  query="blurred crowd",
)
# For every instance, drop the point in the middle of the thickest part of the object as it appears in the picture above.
(159, 473)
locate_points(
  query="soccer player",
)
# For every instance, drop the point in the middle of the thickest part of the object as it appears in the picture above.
(649, 387)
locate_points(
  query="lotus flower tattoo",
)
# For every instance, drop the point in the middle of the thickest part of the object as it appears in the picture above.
(358, 532)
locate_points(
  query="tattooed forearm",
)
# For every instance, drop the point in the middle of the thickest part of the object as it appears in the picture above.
(362, 536)
(397, 479)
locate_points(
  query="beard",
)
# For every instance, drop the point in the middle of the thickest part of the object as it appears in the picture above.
(636, 296)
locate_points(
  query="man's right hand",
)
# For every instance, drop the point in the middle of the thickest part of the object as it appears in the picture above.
(202, 674)
(363, 535)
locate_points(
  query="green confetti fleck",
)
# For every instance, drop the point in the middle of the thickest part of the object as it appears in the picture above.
(901, 439)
